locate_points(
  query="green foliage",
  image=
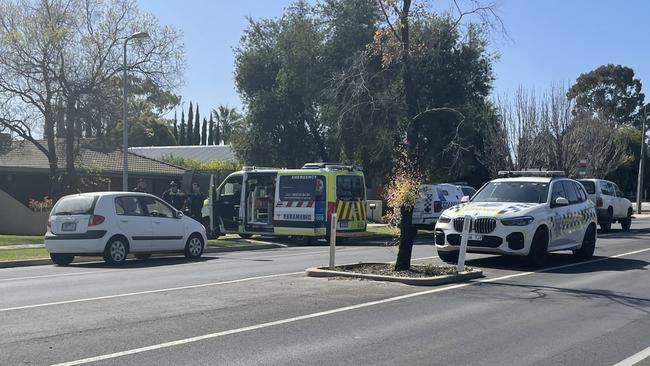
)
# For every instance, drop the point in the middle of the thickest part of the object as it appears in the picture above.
(204, 132)
(189, 139)
(197, 127)
(609, 92)
(214, 165)
(183, 132)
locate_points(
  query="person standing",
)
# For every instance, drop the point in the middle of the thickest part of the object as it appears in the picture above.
(174, 196)
(196, 198)
(141, 186)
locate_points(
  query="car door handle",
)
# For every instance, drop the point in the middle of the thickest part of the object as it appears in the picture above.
(156, 222)
(124, 220)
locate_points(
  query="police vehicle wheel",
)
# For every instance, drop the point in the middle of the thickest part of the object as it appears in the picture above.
(586, 251)
(143, 256)
(607, 225)
(61, 259)
(449, 257)
(539, 248)
(245, 236)
(627, 222)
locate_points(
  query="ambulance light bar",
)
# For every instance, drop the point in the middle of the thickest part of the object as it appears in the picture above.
(332, 166)
(532, 173)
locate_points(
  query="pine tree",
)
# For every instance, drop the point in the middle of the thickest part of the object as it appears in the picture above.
(182, 141)
(190, 130)
(217, 134)
(175, 128)
(197, 127)
(204, 132)
(211, 131)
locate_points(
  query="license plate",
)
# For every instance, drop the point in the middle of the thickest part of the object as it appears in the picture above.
(343, 224)
(475, 237)
(69, 226)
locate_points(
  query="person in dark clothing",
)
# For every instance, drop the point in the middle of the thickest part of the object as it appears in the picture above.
(175, 196)
(141, 187)
(196, 199)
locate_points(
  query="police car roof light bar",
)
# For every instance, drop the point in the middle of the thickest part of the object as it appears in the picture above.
(532, 173)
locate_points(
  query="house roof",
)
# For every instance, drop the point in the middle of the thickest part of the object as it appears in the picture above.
(203, 154)
(25, 156)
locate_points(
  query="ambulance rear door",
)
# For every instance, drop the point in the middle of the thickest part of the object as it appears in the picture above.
(300, 205)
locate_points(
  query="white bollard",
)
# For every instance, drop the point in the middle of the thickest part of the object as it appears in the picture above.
(467, 223)
(332, 241)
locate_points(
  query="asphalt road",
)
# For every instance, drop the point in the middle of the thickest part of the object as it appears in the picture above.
(258, 308)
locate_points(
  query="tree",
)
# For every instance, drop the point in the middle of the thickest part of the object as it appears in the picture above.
(175, 127)
(190, 126)
(183, 140)
(217, 133)
(610, 93)
(227, 118)
(197, 127)
(204, 132)
(210, 131)
(60, 61)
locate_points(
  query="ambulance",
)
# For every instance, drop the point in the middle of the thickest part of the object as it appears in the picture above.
(297, 203)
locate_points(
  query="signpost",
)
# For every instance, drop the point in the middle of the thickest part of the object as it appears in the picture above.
(332, 241)
(467, 224)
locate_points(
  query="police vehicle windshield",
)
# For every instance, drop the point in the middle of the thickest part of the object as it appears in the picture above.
(527, 192)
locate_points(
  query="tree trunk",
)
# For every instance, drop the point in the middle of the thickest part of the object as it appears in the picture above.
(407, 233)
(52, 159)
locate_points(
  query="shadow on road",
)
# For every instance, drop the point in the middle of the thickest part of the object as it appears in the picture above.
(558, 260)
(152, 262)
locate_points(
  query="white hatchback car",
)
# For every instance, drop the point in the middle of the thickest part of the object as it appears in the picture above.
(114, 224)
(524, 216)
(611, 204)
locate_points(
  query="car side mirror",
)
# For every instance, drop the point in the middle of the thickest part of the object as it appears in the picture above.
(179, 214)
(465, 199)
(561, 201)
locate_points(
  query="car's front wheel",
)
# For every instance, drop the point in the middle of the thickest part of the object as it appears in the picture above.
(586, 251)
(194, 247)
(116, 250)
(449, 257)
(538, 253)
(61, 259)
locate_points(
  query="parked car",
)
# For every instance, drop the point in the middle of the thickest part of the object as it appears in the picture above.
(611, 204)
(524, 214)
(432, 200)
(466, 188)
(114, 224)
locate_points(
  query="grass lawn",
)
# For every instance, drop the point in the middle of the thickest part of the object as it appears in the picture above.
(20, 239)
(16, 254)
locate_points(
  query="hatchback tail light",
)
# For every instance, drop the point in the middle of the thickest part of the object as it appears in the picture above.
(96, 220)
(599, 202)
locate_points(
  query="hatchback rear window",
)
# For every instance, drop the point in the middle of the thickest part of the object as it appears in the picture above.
(75, 205)
(590, 187)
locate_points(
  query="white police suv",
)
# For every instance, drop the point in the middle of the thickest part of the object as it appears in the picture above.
(524, 213)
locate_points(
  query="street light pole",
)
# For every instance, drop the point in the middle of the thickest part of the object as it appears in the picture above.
(125, 126)
(639, 184)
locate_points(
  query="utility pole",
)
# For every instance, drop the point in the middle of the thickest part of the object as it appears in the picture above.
(639, 184)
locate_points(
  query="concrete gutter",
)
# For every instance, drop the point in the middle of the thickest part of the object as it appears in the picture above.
(419, 281)
(47, 261)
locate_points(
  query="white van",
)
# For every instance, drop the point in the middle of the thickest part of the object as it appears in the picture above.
(432, 200)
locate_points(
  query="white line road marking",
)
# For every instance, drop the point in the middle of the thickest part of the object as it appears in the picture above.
(161, 290)
(636, 358)
(151, 291)
(52, 275)
(324, 313)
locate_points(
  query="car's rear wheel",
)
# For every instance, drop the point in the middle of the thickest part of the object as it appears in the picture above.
(538, 253)
(627, 222)
(607, 225)
(586, 251)
(61, 259)
(143, 256)
(116, 250)
(194, 247)
(449, 257)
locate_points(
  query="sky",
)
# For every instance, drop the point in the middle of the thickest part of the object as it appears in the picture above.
(549, 41)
